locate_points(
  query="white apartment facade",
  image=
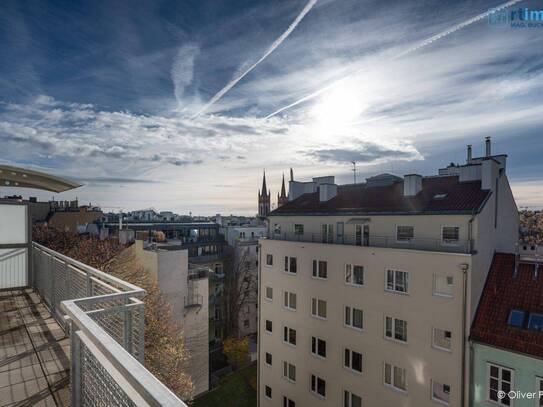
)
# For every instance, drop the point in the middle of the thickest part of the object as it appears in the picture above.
(367, 291)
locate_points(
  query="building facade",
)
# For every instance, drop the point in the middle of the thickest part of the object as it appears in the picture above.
(367, 291)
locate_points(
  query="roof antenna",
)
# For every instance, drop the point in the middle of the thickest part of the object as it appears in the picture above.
(354, 170)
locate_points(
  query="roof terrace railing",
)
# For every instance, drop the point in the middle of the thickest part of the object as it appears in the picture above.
(105, 318)
(438, 245)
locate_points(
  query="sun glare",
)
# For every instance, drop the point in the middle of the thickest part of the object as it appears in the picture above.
(337, 108)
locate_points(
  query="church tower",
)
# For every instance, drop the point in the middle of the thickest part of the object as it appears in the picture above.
(283, 198)
(264, 199)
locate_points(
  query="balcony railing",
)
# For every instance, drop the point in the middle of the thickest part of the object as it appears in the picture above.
(105, 318)
(194, 300)
(438, 245)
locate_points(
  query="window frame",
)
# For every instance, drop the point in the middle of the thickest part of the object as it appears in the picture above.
(351, 318)
(297, 228)
(441, 348)
(266, 326)
(266, 387)
(449, 242)
(315, 347)
(287, 377)
(269, 259)
(408, 240)
(393, 330)
(349, 394)
(266, 294)
(316, 269)
(392, 384)
(350, 367)
(287, 295)
(500, 368)
(316, 315)
(444, 402)
(352, 283)
(395, 286)
(266, 359)
(434, 286)
(287, 401)
(286, 333)
(288, 265)
(314, 382)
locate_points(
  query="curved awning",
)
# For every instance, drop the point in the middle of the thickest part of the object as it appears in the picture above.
(23, 178)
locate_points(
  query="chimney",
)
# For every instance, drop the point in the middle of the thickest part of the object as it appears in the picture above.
(468, 161)
(412, 184)
(327, 192)
(487, 144)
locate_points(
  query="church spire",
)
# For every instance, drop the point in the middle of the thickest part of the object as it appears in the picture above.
(283, 198)
(283, 191)
(264, 191)
(264, 204)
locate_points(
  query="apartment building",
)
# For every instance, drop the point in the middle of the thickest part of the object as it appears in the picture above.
(367, 291)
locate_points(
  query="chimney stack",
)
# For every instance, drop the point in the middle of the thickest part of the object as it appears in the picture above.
(487, 144)
(412, 184)
(469, 154)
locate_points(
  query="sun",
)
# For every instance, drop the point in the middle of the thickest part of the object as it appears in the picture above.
(338, 108)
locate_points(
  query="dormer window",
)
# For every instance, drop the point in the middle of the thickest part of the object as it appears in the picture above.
(516, 318)
(535, 322)
(439, 196)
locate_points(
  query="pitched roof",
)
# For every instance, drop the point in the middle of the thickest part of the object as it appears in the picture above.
(504, 292)
(452, 197)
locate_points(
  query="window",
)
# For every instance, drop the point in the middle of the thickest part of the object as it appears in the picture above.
(246, 323)
(352, 360)
(320, 269)
(354, 317)
(395, 377)
(289, 335)
(318, 347)
(290, 265)
(327, 233)
(354, 275)
(396, 329)
(269, 326)
(450, 234)
(443, 285)
(269, 293)
(318, 308)
(268, 392)
(351, 399)
(441, 392)
(288, 402)
(276, 229)
(269, 259)
(318, 386)
(268, 358)
(289, 371)
(441, 339)
(404, 233)
(397, 281)
(535, 322)
(298, 229)
(500, 379)
(516, 318)
(289, 300)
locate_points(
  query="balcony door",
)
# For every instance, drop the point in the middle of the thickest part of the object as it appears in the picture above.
(327, 234)
(362, 235)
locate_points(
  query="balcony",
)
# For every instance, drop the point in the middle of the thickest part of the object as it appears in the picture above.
(69, 333)
(435, 245)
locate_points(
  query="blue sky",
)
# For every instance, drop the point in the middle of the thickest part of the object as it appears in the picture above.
(109, 93)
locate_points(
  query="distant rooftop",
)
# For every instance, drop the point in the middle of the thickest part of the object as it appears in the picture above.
(510, 313)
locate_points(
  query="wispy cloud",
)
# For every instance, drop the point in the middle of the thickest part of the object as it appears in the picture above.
(271, 48)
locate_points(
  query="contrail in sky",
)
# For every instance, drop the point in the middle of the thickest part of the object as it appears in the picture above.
(422, 44)
(272, 48)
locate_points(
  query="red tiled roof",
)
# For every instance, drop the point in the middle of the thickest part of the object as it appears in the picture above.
(461, 197)
(503, 292)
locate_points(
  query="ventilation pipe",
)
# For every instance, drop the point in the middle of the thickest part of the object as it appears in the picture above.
(468, 161)
(487, 144)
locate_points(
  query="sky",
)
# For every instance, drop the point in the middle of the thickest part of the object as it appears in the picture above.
(169, 104)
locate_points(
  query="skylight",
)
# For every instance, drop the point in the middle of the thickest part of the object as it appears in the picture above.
(535, 323)
(516, 318)
(440, 196)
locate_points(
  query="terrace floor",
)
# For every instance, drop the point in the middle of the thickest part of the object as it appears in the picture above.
(34, 353)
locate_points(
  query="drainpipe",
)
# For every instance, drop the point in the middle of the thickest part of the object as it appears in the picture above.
(470, 232)
(464, 268)
(259, 333)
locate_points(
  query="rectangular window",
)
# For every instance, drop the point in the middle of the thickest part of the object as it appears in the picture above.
(318, 347)
(405, 233)
(396, 329)
(318, 308)
(269, 326)
(327, 233)
(443, 285)
(298, 229)
(276, 229)
(289, 300)
(320, 269)
(441, 392)
(268, 358)
(354, 317)
(535, 322)
(318, 386)
(268, 392)
(354, 275)
(441, 339)
(397, 281)
(290, 265)
(269, 259)
(351, 399)
(500, 379)
(289, 335)
(288, 402)
(352, 360)
(269, 293)
(450, 234)
(395, 377)
(289, 371)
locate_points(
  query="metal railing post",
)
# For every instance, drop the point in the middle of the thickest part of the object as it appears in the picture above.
(53, 285)
(127, 327)
(75, 371)
(88, 283)
(141, 334)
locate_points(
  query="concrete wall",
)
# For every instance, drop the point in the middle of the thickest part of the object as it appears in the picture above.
(420, 308)
(526, 371)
